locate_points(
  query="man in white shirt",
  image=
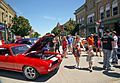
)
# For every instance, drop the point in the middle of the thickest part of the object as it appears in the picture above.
(115, 47)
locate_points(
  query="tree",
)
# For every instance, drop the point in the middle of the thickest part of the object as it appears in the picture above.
(21, 26)
(36, 35)
(69, 27)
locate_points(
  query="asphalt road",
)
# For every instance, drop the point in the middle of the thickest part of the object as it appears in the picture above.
(69, 74)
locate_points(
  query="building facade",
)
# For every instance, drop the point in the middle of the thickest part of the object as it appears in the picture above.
(99, 15)
(6, 15)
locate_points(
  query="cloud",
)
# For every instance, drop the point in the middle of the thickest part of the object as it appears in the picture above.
(49, 18)
(52, 18)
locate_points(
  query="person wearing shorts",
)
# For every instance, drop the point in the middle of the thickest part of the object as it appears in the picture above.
(89, 58)
(77, 51)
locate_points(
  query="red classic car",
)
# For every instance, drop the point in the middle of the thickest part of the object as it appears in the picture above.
(32, 61)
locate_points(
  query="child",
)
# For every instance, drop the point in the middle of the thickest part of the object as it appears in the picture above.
(90, 57)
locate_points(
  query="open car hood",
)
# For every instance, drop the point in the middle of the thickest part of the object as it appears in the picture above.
(41, 43)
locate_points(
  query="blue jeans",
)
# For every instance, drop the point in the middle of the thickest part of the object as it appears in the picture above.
(114, 56)
(106, 58)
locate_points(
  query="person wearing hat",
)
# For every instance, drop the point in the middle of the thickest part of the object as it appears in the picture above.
(115, 47)
(107, 42)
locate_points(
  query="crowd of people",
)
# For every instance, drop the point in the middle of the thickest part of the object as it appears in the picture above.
(74, 45)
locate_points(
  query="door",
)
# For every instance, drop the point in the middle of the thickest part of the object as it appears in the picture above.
(6, 59)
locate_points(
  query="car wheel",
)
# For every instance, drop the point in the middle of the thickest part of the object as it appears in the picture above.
(30, 73)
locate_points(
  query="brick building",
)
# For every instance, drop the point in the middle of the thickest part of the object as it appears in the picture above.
(107, 12)
(6, 15)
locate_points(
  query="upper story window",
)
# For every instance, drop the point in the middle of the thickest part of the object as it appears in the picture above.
(115, 7)
(102, 13)
(107, 10)
(90, 18)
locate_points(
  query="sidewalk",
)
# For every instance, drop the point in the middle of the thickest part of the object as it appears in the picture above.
(69, 74)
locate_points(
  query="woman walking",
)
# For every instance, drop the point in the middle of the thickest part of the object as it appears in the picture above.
(64, 47)
(77, 51)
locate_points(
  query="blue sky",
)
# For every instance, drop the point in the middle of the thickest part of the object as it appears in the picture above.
(44, 15)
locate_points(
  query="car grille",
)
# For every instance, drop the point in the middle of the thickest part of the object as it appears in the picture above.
(55, 62)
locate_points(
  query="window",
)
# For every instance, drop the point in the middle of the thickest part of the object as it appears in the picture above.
(102, 13)
(108, 10)
(90, 18)
(115, 7)
(115, 11)
(4, 51)
(108, 13)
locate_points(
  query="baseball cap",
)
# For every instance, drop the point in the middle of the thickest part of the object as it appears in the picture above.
(114, 32)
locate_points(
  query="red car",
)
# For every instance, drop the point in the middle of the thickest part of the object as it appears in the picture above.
(32, 61)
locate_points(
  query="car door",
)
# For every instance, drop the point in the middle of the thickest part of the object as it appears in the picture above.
(6, 59)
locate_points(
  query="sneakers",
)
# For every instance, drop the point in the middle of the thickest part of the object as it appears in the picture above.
(78, 67)
(90, 69)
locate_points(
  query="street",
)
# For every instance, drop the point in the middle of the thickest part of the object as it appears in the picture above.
(69, 74)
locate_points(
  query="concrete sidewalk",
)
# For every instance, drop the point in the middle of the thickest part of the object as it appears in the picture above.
(69, 74)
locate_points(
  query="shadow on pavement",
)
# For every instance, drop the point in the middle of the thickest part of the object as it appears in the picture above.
(117, 66)
(97, 68)
(86, 69)
(112, 74)
(85, 55)
(20, 76)
(100, 62)
(73, 67)
(70, 67)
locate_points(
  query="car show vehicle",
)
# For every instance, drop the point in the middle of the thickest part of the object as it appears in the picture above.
(29, 60)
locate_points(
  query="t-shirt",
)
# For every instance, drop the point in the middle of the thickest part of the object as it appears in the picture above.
(70, 40)
(115, 41)
(107, 42)
(90, 41)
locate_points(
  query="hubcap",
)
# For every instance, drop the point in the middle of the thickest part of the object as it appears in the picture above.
(30, 72)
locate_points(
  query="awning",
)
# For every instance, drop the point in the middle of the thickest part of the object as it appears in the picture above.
(112, 21)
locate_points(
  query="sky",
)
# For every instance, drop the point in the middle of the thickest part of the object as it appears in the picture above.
(44, 15)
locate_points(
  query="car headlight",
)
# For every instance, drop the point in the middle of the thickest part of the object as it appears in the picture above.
(50, 64)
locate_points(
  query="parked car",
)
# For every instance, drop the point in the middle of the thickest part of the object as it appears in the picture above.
(31, 61)
(29, 41)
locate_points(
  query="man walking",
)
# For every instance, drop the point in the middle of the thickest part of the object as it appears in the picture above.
(115, 47)
(107, 42)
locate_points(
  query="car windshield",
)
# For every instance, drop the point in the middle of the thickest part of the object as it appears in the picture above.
(19, 49)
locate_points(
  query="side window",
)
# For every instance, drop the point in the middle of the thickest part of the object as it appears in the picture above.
(4, 51)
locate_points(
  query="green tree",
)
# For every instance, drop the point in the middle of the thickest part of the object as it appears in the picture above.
(21, 26)
(56, 31)
(36, 34)
(69, 27)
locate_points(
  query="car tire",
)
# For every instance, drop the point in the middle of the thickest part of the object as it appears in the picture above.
(30, 73)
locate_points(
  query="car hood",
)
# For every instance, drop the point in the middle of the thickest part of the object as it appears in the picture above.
(41, 43)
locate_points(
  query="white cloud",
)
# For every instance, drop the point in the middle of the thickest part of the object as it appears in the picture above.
(49, 18)
(52, 18)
